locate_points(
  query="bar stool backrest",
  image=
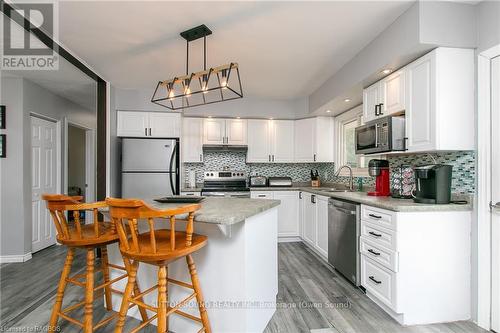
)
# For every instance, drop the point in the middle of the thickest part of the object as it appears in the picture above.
(127, 213)
(59, 204)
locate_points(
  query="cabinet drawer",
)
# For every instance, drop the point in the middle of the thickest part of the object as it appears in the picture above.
(379, 235)
(386, 257)
(382, 217)
(261, 194)
(379, 281)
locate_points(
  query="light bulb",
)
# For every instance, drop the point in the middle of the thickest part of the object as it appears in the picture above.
(204, 83)
(187, 89)
(170, 90)
(223, 80)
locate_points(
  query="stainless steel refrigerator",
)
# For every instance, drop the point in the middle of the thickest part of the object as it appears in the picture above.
(150, 167)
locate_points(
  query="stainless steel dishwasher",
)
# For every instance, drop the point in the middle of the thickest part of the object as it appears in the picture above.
(343, 238)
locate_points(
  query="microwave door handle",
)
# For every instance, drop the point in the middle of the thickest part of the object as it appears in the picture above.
(376, 135)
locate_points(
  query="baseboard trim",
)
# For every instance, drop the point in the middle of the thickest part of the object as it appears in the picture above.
(286, 239)
(15, 258)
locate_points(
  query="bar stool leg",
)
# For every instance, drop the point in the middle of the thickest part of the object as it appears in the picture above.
(199, 294)
(132, 272)
(89, 293)
(60, 290)
(105, 273)
(162, 299)
(142, 311)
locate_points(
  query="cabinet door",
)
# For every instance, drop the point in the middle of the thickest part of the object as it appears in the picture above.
(393, 93)
(282, 135)
(164, 125)
(288, 213)
(323, 150)
(236, 131)
(420, 111)
(310, 212)
(214, 131)
(371, 97)
(258, 141)
(192, 140)
(305, 140)
(130, 123)
(301, 213)
(322, 225)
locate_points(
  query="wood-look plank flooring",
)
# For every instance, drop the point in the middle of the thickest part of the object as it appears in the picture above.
(311, 298)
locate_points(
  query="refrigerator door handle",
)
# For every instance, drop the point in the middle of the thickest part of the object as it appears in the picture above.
(172, 159)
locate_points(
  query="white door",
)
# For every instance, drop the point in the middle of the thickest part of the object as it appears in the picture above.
(371, 98)
(393, 93)
(305, 140)
(288, 213)
(192, 140)
(420, 124)
(43, 179)
(322, 225)
(282, 132)
(236, 131)
(259, 150)
(310, 218)
(131, 123)
(164, 125)
(214, 131)
(495, 193)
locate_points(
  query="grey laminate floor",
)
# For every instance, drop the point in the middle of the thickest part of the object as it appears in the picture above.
(306, 285)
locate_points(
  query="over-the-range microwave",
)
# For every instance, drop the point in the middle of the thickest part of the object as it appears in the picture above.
(381, 135)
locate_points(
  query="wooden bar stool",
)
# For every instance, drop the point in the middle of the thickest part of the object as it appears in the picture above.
(157, 247)
(88, 237)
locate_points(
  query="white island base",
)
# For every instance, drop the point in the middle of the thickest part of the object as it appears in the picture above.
(238, 271)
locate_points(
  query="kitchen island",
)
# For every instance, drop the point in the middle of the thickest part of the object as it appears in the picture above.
(238, 269)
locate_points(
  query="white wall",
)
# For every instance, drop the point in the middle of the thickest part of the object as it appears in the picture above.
(21, 98)
(488, 25)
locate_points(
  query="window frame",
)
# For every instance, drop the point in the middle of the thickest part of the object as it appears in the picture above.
(354, 114)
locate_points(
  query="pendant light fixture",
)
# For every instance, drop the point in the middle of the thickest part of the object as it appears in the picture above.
(217, 84)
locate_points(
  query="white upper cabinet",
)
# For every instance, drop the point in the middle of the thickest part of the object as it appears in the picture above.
(225, 131)
(282, 136)
(163, 125)
(148, 124)
(214, 131)
(270, 141)
(440, 101)
(371, 101)
(385, 97)
(314, 140)
(192, 140)
(392, 89)
(236, 131)
(259, 141)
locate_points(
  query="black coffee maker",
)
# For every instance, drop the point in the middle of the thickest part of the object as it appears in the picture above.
(433, 184)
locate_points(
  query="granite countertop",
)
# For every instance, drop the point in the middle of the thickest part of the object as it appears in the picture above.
(225, 211)
(389, 203)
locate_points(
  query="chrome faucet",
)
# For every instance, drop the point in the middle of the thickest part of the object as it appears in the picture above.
(351, 185)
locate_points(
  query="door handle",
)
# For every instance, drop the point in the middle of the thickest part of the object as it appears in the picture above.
(314, 157)
(373, 279)
(273, 158)
(376, 110)
(374, 234)
(380, 109)
(375, 216)
(150, 131)
(373, 252)
(313, 199)
(494, 206)
(300, 195)
(201, 158)
(146, 132)
(269, 158)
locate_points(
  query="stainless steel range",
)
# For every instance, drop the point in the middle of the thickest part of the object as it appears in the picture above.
(225, 184)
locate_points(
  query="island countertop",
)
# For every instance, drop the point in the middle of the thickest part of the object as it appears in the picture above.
(225, 211)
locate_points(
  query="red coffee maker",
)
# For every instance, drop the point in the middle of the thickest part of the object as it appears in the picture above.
(380, 169)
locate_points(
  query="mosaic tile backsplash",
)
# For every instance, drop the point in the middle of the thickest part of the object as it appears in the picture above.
(463, 181)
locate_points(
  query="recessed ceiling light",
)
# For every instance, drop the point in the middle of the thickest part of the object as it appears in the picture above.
(209, 116)
(347, 100)
(328, 111)
(386, 71)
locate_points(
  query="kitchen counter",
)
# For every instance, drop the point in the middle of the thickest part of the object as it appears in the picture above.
(389, 203)
(226, 211)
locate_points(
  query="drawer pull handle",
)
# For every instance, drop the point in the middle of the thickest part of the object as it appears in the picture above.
(373, 279)
(375, 216)
(374, 252)
(261, 195)
(374, 234)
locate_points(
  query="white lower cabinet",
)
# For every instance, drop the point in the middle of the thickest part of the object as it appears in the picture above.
(288, 212)
(416, 265)
(315, 222)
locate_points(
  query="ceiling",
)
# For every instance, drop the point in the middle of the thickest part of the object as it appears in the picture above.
(285, 49)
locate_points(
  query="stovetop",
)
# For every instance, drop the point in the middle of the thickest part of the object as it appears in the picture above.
(225, 181)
